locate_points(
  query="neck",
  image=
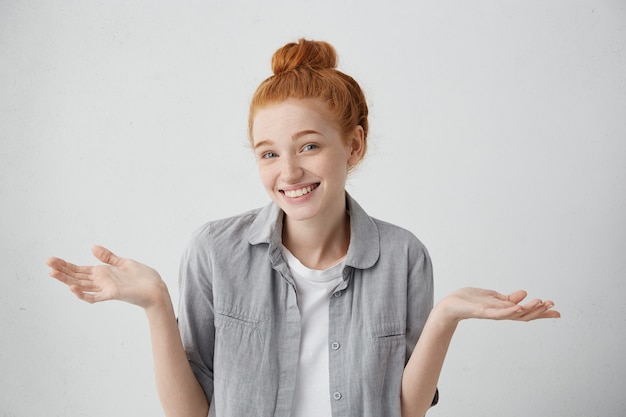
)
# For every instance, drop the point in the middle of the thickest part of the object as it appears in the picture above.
(318, 243)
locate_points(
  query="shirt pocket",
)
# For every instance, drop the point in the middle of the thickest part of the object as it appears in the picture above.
(234, 321)
(388, 354)
(229, 320)
(238, 343)
(389, 333)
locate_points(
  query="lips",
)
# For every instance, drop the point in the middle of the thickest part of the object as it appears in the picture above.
(299, 192)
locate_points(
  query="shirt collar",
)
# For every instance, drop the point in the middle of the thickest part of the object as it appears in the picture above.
(364, 247)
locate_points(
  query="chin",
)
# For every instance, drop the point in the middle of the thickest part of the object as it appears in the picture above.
(298, 214)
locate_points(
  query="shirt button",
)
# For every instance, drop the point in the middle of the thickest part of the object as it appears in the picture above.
(335, 345)
(337, 395)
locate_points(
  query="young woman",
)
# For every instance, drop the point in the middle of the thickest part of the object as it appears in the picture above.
(308, 306)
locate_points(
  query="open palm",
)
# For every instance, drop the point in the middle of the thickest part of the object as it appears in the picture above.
(118, 279)
(480, 303)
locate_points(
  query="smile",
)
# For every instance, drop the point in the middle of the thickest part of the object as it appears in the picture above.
(300, 192)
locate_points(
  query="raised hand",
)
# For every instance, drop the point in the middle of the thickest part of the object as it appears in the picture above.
(118, 279)
(487, 304)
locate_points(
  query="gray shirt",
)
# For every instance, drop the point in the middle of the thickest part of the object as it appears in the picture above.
(240, 323)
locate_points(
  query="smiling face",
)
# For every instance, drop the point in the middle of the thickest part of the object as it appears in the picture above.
(303, 158)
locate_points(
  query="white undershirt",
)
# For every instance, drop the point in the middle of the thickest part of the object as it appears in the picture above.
(314, 289)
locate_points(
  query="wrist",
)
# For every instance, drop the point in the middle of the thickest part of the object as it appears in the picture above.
(160, 299)
(443, 314)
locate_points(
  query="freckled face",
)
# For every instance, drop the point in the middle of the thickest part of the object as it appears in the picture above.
(302, 158)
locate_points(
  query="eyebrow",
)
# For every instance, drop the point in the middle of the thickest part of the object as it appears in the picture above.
(295, 137)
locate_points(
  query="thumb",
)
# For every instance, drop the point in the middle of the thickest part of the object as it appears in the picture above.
(517, 296)
(106, 256)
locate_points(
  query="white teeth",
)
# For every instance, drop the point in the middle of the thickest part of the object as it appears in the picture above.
(299, 193)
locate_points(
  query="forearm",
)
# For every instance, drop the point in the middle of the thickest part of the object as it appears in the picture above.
(179, 390)
(421, 374)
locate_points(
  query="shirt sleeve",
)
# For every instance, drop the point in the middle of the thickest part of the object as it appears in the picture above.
(420, 298)
(195, 311)
(420, 293)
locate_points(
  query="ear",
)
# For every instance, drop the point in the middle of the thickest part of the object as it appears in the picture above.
(356, 145)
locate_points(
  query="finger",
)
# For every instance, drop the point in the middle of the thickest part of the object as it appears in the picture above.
(82, 295)
(85, 282)
(64, 278)
(75, 272)
(71, 279)
(53, 262)
(513, 312)
(517, 296)
(533, 304)
(90, 297)
(67, 267)
(542, 311)
(106, 256)
(551, 314)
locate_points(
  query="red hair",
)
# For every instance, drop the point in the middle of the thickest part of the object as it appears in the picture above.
(307, 69)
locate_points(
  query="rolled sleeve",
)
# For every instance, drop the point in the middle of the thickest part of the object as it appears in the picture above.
(195, 312)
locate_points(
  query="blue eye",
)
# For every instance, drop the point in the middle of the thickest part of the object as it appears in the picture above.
(309, 147)
(268, 155)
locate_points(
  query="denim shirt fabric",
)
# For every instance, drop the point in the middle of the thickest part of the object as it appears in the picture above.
(240, 323)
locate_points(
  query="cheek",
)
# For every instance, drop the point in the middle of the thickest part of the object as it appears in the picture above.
(337, 168)
(267, 177)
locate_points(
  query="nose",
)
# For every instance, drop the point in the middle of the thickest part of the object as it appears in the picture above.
(291, 169)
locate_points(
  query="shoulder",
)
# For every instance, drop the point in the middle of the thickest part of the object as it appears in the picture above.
(394, 235)
(400, 245)
(378, 240)
(226, 226)
(223, 232)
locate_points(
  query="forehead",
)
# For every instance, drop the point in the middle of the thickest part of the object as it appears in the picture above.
(289, 117)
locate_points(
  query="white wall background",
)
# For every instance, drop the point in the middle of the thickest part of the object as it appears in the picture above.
(498, 137)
